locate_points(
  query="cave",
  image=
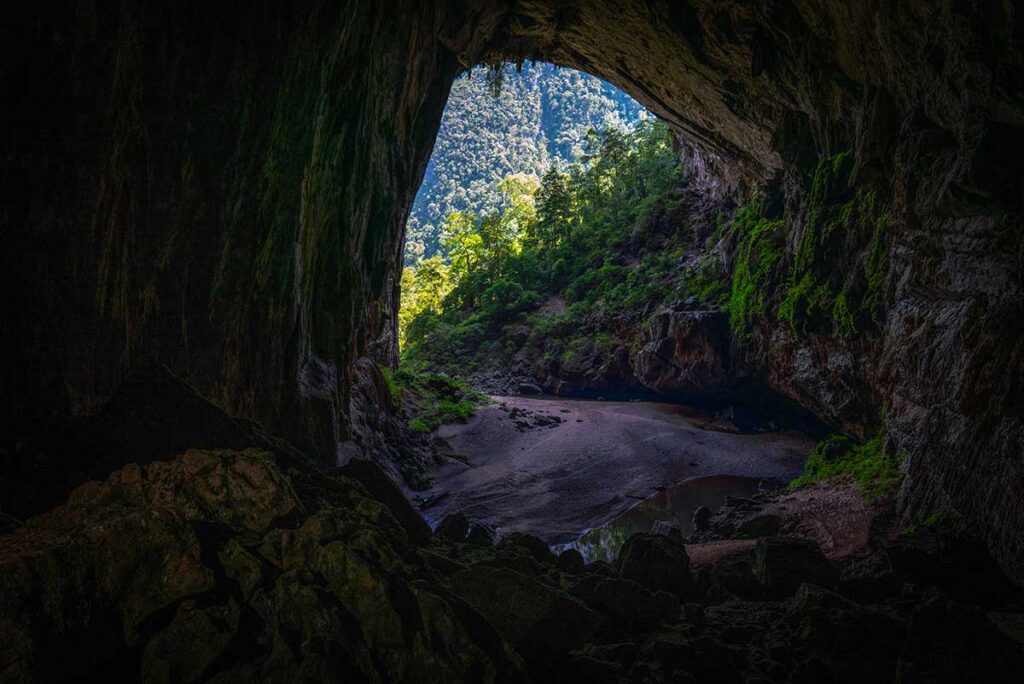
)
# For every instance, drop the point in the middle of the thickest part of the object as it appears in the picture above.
(202, 231)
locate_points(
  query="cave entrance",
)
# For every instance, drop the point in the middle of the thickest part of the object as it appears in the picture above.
(551, 226)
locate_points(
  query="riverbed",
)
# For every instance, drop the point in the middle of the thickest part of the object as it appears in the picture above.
(557, 468)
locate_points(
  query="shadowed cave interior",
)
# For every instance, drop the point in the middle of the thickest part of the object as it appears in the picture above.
(215, 466)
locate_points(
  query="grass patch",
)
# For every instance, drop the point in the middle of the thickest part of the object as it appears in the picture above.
(434, 399)
(837, 458)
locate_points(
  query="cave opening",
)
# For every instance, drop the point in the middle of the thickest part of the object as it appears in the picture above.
(214, 467)
(554, 219)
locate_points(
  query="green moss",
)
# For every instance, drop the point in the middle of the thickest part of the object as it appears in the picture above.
(708, 283)
(876, 270)
(436, 399)
(394, 389)
(804, 302)
(844, 322)
(757, 252)
(824, 291)
(937, 518)
(838, 458)
(419, 424)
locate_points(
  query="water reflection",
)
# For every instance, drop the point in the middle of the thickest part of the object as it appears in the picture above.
(675, 504)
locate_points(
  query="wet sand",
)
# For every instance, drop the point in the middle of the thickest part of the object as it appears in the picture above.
(603, 458)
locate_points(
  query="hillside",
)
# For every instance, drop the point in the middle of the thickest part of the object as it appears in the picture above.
(541, 115)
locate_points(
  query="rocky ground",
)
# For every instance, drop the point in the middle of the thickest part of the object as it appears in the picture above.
(224, 565)
(556, 467)
(242, 559)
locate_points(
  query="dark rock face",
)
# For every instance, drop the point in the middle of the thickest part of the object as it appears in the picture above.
(838, 633)
(256, 565)
(217, 564)
(656, 561)
(782, 565)
(685, 354)
(630, 607)
(224, 191)
(535, 618)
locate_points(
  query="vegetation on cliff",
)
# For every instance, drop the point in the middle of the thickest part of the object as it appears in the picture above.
(502, 121)
(569, 236)
(759, 248)
(430, 399)
(842, 220)
(837, 458)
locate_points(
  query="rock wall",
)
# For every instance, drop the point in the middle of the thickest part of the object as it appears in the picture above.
(223, 189)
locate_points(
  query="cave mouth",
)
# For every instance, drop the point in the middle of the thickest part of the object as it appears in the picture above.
(201, 239)
(554, 220)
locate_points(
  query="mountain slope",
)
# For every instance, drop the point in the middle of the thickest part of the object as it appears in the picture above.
(542, 114)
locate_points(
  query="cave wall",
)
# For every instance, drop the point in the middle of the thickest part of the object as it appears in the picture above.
(218, 188)
(222, 189)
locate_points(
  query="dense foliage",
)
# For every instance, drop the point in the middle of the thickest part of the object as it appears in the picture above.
(565, 236)
(502, 123)
(431, 399)
(837, 458)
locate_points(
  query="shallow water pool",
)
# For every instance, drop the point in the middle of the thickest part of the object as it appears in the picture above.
(675, 505)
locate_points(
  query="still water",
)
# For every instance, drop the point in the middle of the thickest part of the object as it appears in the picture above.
(675, 504)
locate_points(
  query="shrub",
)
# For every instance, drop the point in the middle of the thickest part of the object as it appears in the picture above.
(837, 458)
(435, 399)
(708, 283)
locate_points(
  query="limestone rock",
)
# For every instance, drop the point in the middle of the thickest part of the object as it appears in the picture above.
(453, 528)
(684, 353)
(846, 641)
(539, 620)
(629, 606)
(656, 562)
(214, 564)
(782, 565)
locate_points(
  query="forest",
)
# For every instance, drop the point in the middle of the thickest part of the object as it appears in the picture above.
(560, 236)
(506, 121)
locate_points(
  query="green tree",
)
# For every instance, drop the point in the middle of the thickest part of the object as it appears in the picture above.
(423, 289)
(556, 209)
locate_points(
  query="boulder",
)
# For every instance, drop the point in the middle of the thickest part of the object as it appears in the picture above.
(735, 574)
(704, 658)
(382, 488)
(701, 516)
(629, 606)
(841, 641)
(453, 528)
(480, 534)
(953, 643)
(657, 562)
(783, 564)
(529, 544)
(538, 619)
(529, 388)
(571, 561)
(759, 525)
(667, 528)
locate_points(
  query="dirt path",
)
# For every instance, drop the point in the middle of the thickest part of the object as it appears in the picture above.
(597, 460)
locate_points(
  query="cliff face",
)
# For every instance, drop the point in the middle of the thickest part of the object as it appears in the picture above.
(223, 190)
